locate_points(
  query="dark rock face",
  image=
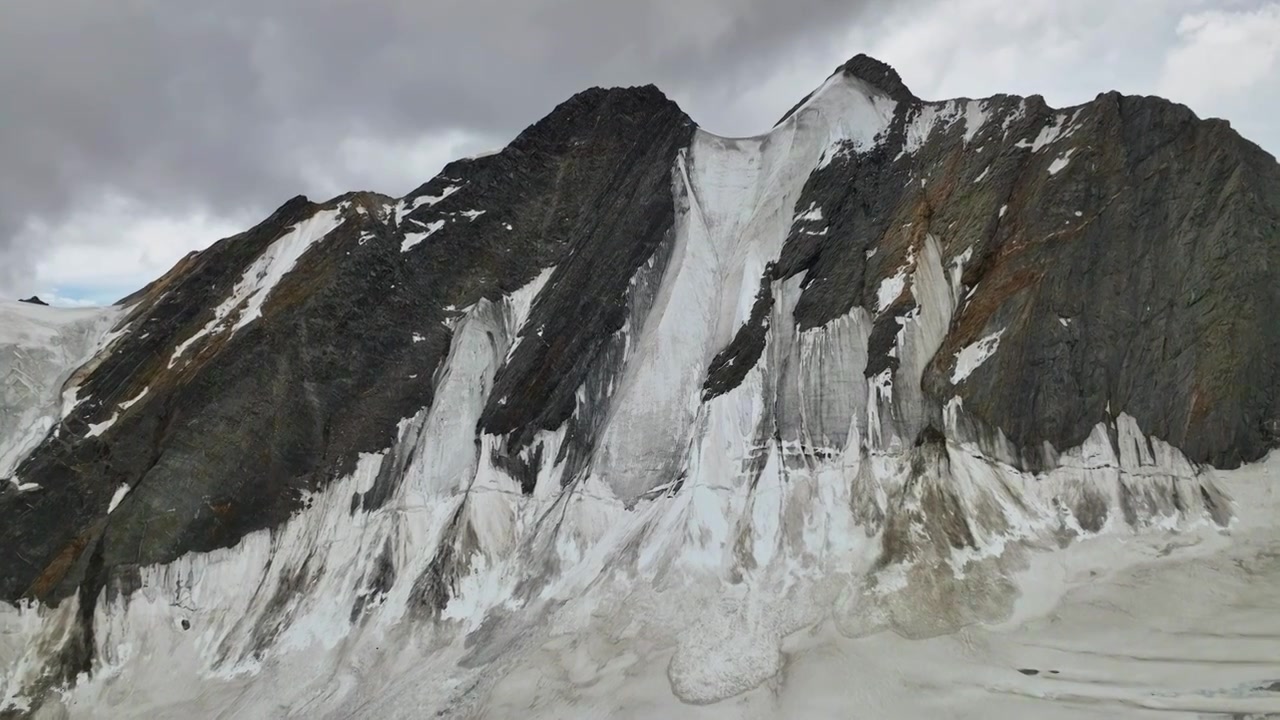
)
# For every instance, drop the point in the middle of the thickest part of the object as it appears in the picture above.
(1130, 262)
(34, 300)
(227, 439)
(1138, 277)
(731, 365)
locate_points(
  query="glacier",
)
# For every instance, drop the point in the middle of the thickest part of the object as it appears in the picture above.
(806, 543)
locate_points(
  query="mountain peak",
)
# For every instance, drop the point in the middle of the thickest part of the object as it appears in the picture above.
(878, 74)
(896, 348)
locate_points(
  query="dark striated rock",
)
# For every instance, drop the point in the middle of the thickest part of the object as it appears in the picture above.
(1139, 277)
(616, 210)
(732, 364)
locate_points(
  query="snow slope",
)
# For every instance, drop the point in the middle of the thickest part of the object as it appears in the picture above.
(40, 347)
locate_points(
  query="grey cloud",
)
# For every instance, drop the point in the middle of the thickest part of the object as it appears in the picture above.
(221, 106)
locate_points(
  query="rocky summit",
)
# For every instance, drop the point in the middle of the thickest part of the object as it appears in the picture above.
(629, 419)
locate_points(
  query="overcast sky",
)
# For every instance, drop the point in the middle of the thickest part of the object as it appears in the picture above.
(134, 131)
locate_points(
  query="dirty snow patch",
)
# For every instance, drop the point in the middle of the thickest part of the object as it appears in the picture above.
(96, 429)
(471, 215)
(117, 497)
(1057, 166)
(926, 121)
(1060, 128)
(411, 239)
(974, 117)
(134, 401)
(813, 213)
(972, 356)
(430, 200)
(889, 290)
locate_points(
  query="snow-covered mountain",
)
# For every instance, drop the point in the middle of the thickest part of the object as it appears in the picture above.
(900, 409)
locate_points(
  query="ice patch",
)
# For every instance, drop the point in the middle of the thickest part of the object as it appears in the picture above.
(982, 174)
(1003, 209)
(972, 356)
(471, 215)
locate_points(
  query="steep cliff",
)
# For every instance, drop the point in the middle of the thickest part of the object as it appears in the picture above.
(707, 388)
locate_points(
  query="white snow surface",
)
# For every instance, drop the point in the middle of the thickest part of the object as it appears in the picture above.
(117, 497)
(40, 349)
(412, 239)
(776, 551)
(429, 200)
(247, 298)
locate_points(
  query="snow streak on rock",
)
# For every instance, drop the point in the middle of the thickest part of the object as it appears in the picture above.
(250, 293)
